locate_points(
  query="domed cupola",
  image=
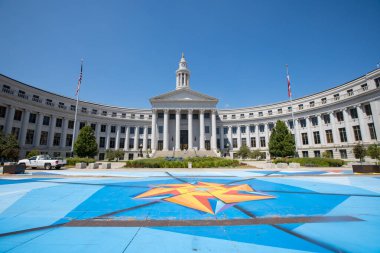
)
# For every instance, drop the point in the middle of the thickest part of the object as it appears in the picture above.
(183, 74)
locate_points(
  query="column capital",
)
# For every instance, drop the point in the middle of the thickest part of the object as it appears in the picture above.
(166, 111)
(202, 111)
(177, 111)
(213, 110)
(190, 111)
(154, 110)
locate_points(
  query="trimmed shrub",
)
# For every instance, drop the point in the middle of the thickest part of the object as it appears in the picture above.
(316, 161)
(197, 162)
(74, 160)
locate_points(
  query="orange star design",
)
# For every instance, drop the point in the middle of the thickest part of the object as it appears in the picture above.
(203, 196)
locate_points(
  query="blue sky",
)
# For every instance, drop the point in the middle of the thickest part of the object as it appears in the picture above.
(236, 50)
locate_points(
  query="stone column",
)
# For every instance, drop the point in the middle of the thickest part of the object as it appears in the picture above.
(65, 123)
(117, 141)
(97, 130)
(213, 130)
(190, 128)
(238, 136)
(166, 130)
(201, 130)
(248, 134)
(221, 131)
(375, 108)
(145, 138)
(51, 131)
(257, 137)
(136, 140)
(309, 133)
(363, 126)
(266, 131)
(177, 129)
(9, 120)
(348, 126)
(154, 130)
(334, 128)
(37, 133)
(127, 136)
(297, 134)
(108, 136)
(24, 127)
(230, 137)
(322, 134)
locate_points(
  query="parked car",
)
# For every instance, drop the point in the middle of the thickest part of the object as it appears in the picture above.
(43, 161)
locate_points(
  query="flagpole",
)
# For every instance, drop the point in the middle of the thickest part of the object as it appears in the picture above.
(291, 104)
(76, 109)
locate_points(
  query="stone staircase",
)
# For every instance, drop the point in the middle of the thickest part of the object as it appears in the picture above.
(184, 154)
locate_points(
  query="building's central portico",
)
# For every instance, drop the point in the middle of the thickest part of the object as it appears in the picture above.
(183, 119)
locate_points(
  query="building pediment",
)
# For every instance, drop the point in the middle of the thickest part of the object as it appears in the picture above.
(183, 95)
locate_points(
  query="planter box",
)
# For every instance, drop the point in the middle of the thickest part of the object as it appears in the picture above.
(106, 165)
(80, 165)
(14, 169)
(366, 168)
(93, 166)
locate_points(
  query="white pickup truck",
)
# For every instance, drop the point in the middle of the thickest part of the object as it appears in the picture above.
(42, 161)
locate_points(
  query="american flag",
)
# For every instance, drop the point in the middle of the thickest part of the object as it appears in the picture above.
(80, 78)
(289, 90)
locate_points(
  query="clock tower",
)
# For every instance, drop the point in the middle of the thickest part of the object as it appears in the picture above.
(183, 75)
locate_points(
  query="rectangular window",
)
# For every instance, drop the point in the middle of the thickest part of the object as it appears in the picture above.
(72, 107)
(253, 142)
(94, 111)
(290, 124)
(171, 116)
(3, 111)
(184, 116)
(57, 139)
(81, 125)
(343, 153)
(36, 98)
(343, 134)
(270, 112)
(329, 136)
(114, 114)
(69, 140)
(217, 130)
(234, 130)
(16, 132)
(252, 129)
(300, 106)
(260, 114)
(364, 87)
(141, 116)
(58, 122)
(71, 124)
(103, 128)
(84, 110)
(305, 140)
(160, 115)
(350, 92)
(102, 142)
(124, 115)
(317, 138)
(303, 123)
(207, 115)
(46, 121)
(242, 129)
(160, 129)
(372, 131)
(339, 116)
(112, 142)
(336, 97)
(312, 103)
(367, 109)
(113, 129)
(131, 143)
(93, 126)
(104, 113)
(149, 130)
(122, 143)
(226, 143)
(326, 118)
(377, 82)
(317, 153)
(141, 130)
(44, 138)
(244, 142)
(225, 130)
(122, 129)
(207, 129)
(354, 113)
(234, 143)
(132, 130)
(32, 118)
(289, 109)
(279, 111)
(242, 116)
(149, 145)
(314, 121)
(305, 153)
(18, 115)
(262, 142)
(357, 133)
(261, 128)
(29, 137)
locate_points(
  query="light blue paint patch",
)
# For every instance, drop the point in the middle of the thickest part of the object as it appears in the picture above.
(79, 239)
(42, 207)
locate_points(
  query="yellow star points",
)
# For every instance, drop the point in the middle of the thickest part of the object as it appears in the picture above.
(204, 196)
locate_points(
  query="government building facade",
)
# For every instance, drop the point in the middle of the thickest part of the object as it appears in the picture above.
(184, 122)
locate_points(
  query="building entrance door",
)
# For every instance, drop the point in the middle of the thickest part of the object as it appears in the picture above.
(207, 144)
(183, 139)
(160, 145)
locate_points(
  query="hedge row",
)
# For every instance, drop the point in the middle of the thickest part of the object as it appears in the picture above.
(197, 162)
(316, 161)
(74, 160)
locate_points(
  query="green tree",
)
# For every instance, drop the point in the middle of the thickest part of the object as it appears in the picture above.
(281, 141)
(255, 154)
(359, 152)
(110, 154)
(9, 148)
(119, 154)
(85, 145)
(373, 151)
(243, 152)
(326, 154)
(33, 152)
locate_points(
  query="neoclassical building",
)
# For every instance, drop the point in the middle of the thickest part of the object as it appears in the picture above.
(185, 122)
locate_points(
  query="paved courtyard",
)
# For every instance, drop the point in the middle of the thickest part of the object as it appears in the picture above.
(182, 211)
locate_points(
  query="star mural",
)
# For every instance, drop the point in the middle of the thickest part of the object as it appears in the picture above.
(203, 196)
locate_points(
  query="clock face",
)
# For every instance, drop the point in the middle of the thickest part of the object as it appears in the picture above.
(183, 64)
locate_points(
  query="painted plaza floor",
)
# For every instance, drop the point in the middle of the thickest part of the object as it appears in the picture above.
(201, 211)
